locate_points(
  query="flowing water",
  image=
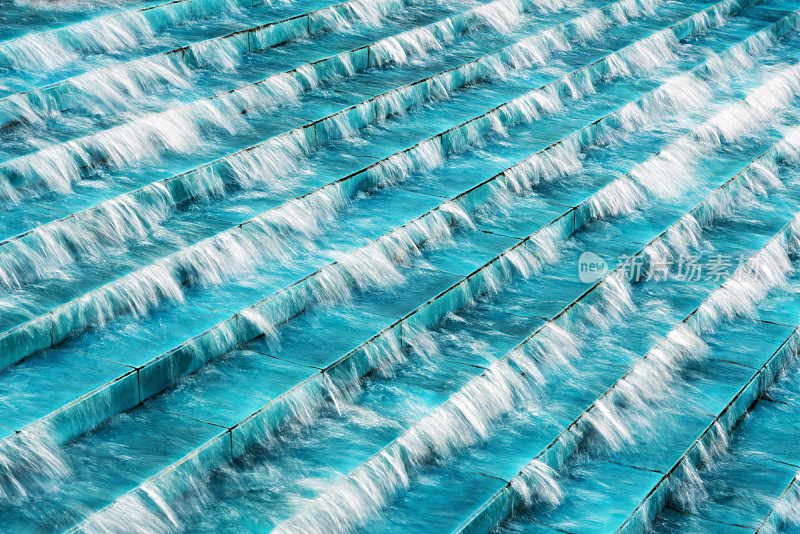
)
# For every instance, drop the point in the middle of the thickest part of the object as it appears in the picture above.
(395, 265)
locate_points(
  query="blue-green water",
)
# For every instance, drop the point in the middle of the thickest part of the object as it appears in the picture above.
(395, 265)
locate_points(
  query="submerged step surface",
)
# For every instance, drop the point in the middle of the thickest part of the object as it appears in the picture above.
(322, 267)
(111, 357)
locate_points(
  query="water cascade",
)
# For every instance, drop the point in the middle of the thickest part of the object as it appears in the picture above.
(381, 265)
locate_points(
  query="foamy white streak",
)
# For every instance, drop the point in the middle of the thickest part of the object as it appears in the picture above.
(63, 165)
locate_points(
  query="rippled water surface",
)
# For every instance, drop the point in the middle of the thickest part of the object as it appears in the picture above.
(399, 266)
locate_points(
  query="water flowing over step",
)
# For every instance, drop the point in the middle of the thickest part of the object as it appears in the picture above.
(55, 326)
(182, 466)
(143, 75)
(607, 414)
(329, 252)
(52, 48)
(411, 457)
(325, 130)
(106, 147)
(759, 444)
(97, 397)
(139, 213)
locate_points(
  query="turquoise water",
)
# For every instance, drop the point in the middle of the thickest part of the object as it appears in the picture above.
(389, 265)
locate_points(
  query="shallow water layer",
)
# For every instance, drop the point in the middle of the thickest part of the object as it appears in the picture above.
(393, 265)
